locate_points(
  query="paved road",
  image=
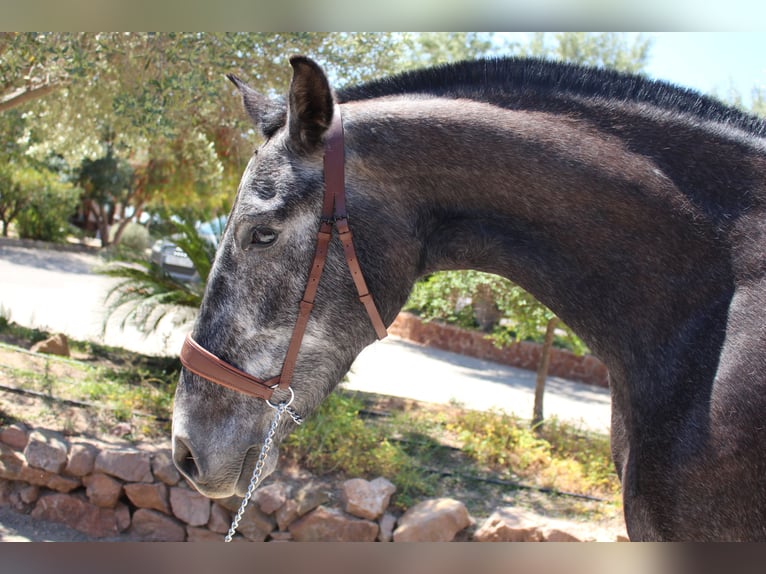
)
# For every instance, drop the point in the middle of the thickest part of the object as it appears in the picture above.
(59, 291)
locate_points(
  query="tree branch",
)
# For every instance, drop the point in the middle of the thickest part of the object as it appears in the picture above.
(22, 95)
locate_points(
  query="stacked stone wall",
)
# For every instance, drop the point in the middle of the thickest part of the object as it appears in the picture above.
(122, 491)
(525, 355)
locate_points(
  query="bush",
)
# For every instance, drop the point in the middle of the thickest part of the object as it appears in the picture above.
(336, 439)
(475, 300)
(51, 203)
(134, 242)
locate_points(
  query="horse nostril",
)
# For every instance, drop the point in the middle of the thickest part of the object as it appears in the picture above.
(184, 459)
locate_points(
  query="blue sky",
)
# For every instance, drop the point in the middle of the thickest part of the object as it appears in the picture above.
(711, 62)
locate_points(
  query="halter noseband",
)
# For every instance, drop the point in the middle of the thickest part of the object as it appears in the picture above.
(203, 363)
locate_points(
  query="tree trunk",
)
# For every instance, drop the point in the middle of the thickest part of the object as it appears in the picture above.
(120, 228)
(101, 222)
(542, 373)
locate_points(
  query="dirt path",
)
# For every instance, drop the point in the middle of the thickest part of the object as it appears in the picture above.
(17, 527)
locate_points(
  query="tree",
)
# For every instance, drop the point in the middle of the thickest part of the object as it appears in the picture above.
(615, 50)
(13, 198)
(433, 48)
(175, 119)
(50, 202)
(107, 187)
(35, 65)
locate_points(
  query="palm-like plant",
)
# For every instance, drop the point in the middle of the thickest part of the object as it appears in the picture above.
(146, 294)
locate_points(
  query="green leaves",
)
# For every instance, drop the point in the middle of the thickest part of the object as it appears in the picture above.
(146, 294)
(472, 299)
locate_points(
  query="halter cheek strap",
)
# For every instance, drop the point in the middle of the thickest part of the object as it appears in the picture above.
(203, 363)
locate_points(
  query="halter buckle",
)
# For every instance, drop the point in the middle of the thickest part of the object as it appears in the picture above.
(276, 407)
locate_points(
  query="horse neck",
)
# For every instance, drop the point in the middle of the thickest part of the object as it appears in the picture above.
(597, 232)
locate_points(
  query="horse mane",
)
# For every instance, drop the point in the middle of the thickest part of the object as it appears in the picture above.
(486, 79)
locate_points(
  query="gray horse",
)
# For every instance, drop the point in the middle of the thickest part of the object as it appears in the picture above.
(635, 210)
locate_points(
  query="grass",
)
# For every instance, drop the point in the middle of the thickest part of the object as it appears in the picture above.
(416, 449)
(121, 384)
(425, 450)
(558, 456)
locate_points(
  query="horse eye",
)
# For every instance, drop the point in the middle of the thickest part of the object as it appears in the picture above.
(262, 236)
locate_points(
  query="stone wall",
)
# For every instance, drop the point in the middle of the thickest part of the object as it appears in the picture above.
(586, 369)
(121, 491)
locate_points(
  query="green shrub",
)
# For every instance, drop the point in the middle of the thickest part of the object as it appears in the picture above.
(558, 456)
(134, 242)
(336, 439)
(476, 300)
(50, 205)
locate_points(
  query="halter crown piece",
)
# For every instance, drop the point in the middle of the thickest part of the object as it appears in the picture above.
(205, 364)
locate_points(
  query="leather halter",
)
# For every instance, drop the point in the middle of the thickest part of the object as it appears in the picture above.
(203, 363)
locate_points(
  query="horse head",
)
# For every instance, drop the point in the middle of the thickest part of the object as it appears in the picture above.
(257, 281)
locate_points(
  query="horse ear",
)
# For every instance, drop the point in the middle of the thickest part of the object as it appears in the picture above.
(310, 104)
(265, 113)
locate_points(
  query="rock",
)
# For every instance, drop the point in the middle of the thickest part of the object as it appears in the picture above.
(510, 525)
(46, 450)
(148, 495)
(54, 345)
(255, 524)
(77, 513)
(231, 503)
(332, 525)
(15, 436)
(189, 506)
(278, 536)
(367, 499)
(386, 525)
(130, 465)
(40, 477)
(270, 498)
(122, 514)
(286, 514)
(18, 504)
(194, 534)
(150, 525)
(11, 463)
(121, 429)
(164, 469)
(436, 520)
(102, 490)
(310, 496)
(29, 494)
(6, 489)
(82, 458)
(557, 533)
(220, 519)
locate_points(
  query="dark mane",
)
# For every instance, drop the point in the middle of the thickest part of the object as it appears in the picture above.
(486, 80)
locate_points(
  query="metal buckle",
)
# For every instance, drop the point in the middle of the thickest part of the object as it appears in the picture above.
(292, 398)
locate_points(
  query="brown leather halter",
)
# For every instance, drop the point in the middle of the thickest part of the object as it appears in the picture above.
(203, 363)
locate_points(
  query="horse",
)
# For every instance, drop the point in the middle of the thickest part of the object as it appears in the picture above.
(632, 208)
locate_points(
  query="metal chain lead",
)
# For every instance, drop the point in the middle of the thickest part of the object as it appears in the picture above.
(280, 409)
(295, 416)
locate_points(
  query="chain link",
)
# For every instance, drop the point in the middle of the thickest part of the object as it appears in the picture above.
(256, 478)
